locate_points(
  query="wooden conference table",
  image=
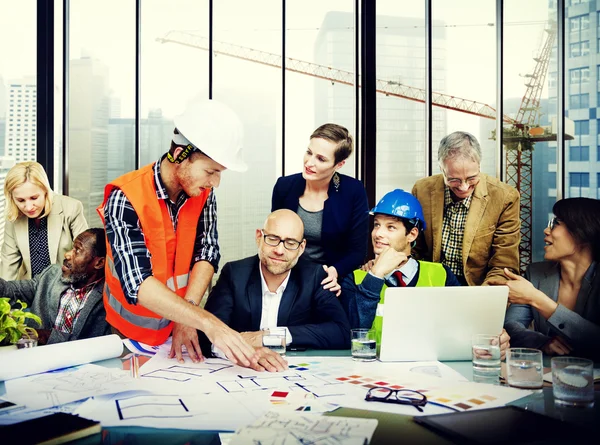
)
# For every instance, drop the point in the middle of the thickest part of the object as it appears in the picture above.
(391, 428)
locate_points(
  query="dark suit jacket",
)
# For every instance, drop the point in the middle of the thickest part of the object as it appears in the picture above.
(345, 231)
(492, 231)
(579, 327)
(313, 315)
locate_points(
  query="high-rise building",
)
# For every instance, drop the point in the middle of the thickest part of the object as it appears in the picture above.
(582, 81)
(400, 122)
(88, 134)
(156, 133)
(20, 126)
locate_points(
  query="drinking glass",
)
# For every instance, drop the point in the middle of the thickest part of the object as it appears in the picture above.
(524, 368)
(486, 358)
(573, 381)
(364, 345)
(275, 340)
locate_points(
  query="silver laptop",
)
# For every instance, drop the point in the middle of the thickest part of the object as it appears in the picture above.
(437, 323)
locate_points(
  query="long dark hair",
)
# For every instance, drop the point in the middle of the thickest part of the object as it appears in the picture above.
(581, 216)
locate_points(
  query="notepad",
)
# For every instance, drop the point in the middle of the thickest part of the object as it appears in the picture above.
(54, 429)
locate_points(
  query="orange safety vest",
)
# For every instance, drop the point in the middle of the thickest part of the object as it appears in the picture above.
(171, 253)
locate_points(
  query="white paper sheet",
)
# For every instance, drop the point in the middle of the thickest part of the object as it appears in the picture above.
(68, 385)
(276, 428)
(451, 390)
(214, 412)
(24, 362)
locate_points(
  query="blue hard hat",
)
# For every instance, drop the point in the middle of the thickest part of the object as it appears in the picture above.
(401, 204)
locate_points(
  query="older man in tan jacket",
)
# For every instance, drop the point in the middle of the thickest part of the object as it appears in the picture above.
(473, 220)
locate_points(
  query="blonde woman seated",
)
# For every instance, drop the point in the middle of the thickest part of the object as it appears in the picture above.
(562, 294)
(40, 224)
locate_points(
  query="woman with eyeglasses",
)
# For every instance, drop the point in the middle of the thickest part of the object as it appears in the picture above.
(40, 224)
(332, 206)
(562, 294)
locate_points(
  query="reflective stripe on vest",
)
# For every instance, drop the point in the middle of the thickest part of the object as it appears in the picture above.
(182, 281)
(138, 320)
(430, 275)
(126, 314)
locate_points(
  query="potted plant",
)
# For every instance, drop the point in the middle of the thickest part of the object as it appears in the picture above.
(13, 323)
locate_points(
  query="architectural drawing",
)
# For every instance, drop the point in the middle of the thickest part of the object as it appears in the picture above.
(183, 373)
(68, 385)
(152, 406)
(314, 385)
(277, 428)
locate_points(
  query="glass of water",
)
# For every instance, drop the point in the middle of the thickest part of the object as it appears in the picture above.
(275, 340)
(524, 368)
(364, 345)
(573, 381)
(486, 358)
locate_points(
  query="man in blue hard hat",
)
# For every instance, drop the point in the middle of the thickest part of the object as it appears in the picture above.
(397, 224)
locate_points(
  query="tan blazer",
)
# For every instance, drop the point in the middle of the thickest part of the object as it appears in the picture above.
(492, 231)
(65, 222)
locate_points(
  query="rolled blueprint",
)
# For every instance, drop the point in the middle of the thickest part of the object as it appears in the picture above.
(24, 362)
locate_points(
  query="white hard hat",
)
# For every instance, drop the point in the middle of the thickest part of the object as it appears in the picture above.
(213, 128)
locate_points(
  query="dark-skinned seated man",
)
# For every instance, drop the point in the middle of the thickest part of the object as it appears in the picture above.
(67, 297)
(275, 289)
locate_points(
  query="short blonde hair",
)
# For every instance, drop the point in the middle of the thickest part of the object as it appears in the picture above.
(18, 175)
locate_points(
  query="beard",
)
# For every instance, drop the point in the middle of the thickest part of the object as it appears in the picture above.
(74, 278)
(277, 268)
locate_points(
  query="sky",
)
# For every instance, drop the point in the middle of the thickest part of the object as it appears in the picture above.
(171, 74)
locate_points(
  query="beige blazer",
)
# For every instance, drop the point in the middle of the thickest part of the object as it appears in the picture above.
(492, 231)
(65, 222)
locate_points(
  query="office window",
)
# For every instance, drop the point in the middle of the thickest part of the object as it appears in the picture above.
(579, 23)
(598, 154)
(579, 75)
(579, 185)
(579, 153)
(582, 127)
(578, 49)
(597, 185)
(580, 100)
(101, 82)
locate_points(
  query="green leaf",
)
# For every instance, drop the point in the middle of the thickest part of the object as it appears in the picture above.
(13, 321)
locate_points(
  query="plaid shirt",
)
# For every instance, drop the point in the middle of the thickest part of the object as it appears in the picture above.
(132, 257)
(71, 302)
(453, 230)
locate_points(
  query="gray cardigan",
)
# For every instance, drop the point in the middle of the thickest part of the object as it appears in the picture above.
(580, 327)
(42, 294)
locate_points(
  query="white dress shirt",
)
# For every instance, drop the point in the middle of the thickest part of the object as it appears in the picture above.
(270, 305)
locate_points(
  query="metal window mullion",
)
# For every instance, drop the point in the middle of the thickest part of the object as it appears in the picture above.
(500, 151)
(428, 88)
(283, 86)
(65, 95)
(45, 86)
(138, 58)
(560, 114)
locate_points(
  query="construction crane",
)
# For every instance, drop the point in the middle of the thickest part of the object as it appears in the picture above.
(334, 75)
(519, 139)
(519, 134)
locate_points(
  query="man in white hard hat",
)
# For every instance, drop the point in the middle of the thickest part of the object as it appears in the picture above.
(161, 228)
